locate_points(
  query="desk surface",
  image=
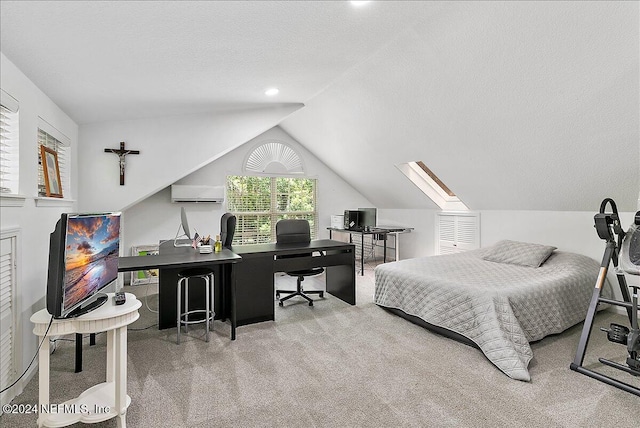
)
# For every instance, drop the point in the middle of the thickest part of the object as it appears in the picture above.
(177, 257)
(283, 249)
(173, 257)
(375, 230)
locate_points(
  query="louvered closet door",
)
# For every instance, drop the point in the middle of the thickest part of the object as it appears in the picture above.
(457, 232)
(447, 235)
(7, 308)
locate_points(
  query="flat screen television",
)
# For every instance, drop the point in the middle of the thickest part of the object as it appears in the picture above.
(83, 259)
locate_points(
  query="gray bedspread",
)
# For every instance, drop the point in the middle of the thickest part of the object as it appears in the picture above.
(500, 307)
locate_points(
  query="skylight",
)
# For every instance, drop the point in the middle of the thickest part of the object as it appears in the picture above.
(432, 186)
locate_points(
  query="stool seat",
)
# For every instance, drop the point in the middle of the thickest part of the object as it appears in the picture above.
(204, 276)
(194, 272)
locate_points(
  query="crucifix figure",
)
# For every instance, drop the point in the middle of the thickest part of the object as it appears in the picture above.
(122, 152)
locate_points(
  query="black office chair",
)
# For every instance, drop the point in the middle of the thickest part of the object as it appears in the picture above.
(295, 232)
(227, 229)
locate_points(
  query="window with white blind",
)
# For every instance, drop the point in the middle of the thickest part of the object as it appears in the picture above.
(9, 145)
(53, 139)
(259, 202)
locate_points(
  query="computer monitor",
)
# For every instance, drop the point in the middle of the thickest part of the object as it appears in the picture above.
(184, 225)
(368, 217)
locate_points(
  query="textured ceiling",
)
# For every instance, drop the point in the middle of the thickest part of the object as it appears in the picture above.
(514, 105)
(102, 61)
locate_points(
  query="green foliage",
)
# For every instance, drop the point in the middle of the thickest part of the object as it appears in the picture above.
(249, 198)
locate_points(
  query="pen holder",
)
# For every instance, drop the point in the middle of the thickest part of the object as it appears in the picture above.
(205, 249)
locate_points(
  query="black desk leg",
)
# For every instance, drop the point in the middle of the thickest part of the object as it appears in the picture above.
(78, 353)
(384, 257)
(362, 254)
(92, 341)
(233, 303)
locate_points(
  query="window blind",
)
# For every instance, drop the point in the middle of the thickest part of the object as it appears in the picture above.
(9, 145)
(260, 202)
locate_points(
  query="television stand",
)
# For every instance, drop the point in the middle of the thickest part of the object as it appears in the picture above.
(100, 402)
(99, 300)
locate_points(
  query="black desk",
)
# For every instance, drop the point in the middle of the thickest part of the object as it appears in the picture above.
(255, 288)
(247, 289)
(172, 260)
(382, 231)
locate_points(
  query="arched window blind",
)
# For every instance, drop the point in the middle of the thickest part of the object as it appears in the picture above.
(274, 157)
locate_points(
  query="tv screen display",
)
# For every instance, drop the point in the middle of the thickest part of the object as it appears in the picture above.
(83, 259)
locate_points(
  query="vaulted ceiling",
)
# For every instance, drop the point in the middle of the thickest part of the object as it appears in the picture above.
(514, 105)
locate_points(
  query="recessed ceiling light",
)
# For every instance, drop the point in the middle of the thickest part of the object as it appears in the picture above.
(272, 91)
(359, 3)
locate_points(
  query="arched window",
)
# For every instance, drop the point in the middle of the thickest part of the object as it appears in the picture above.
(274, 157)
(270, 191)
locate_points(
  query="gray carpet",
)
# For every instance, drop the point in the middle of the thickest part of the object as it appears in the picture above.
(336, 365)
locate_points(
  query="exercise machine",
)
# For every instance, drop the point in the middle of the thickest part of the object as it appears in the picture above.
(608, 228)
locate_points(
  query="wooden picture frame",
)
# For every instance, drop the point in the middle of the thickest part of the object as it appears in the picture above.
(51, 172)
(146, 276)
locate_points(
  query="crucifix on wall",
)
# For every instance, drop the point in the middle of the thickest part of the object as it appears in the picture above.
(122, 152)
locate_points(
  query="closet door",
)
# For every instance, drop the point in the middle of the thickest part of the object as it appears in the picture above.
(457, 232)
(7, 314)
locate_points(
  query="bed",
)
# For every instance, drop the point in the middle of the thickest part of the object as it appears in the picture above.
(498, 298)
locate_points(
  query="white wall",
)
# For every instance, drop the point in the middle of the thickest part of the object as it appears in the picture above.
(420, 242)
(35, 222)
(568, 230)
(157, 218)
(170, 148)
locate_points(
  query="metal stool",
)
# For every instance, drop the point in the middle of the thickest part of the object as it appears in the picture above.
(206, 275)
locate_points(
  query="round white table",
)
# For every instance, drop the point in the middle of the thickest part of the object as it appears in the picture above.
(100, 402)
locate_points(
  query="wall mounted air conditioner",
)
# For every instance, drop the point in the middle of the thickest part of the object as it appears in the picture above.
(191, 193)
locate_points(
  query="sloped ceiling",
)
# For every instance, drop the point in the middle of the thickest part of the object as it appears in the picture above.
(514, 105)
(120, 60)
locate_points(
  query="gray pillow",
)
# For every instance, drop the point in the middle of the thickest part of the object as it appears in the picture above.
(519, 253)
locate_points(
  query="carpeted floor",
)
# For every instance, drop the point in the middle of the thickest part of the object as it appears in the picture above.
(336, 365)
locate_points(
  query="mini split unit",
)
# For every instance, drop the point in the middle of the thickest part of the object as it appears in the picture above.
(189, 193)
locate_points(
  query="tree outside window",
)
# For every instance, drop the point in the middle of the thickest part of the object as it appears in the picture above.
(259, 202)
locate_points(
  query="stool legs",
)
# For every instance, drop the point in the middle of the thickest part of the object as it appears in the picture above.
(207, 306)
(208, 311)
(179, 311)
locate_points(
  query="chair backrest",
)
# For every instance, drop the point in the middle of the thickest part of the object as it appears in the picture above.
(290, 231)
(227, 229)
